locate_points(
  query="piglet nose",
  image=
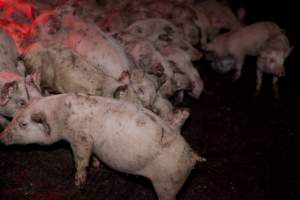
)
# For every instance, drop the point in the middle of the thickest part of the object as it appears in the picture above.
(149, 107)
(281, 72)
(5, 132)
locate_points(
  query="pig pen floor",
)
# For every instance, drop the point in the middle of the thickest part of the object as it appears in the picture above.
(252, 146)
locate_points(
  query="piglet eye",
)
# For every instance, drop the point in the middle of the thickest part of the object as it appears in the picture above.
(22, 124)
(140, 91)
(21, 102)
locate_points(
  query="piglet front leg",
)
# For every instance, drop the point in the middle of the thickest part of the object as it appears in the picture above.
(82, 151)
(275, 87)
(239, 65)
(259, 76)
(96, 162)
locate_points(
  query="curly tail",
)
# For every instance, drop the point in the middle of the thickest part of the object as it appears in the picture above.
(199, 158)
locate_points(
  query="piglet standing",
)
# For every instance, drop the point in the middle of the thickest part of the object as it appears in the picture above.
(126, 137)
(271, 60)
(263, 39)
(248, 40)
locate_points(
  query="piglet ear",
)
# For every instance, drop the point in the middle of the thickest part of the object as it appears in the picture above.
(241, 13)
(120, 92)
(283, 31)
(289, 51)
(6, 91)
(40, 117)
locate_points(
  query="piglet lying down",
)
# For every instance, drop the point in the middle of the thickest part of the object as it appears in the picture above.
(126, 137)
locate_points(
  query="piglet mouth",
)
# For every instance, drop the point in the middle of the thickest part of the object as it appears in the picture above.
(4, 136)
(148, 106)
(280, 73)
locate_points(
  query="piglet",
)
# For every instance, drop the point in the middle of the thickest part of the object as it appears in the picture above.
(271, 60)
(248, 40)
(163, 33)
(126, 137)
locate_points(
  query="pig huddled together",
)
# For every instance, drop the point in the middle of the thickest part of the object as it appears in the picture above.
(100, 75)
(133, 127)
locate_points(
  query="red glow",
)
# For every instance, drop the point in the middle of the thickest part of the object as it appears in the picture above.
(12, 6)
(16, 17)
(15, 28)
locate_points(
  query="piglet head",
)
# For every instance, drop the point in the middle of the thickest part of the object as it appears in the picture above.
(274, 62)
(13, 96)
(140, 90)
(143, 87)
(27, 127)
(223, 66)
(178, 117)
(6, 91)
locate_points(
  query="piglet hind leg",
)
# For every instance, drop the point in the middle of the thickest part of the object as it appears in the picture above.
(168, 182)
(169, 171)
(96, 162)
(239, 66)
(259, 76)
(82, 151)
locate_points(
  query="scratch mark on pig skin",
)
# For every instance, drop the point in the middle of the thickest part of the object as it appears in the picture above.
(69, 105)
(93, 101)
(140, 122)
(151, 117)
(162, 135)
(83, 139)
(163, 140)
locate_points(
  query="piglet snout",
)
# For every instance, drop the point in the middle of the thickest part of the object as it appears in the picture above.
(280, 72)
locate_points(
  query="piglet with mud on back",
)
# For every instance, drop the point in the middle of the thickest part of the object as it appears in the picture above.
(126, 137)
(163, 33)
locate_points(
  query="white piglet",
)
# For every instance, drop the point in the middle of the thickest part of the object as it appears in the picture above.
(248, 40)
(126, 137)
